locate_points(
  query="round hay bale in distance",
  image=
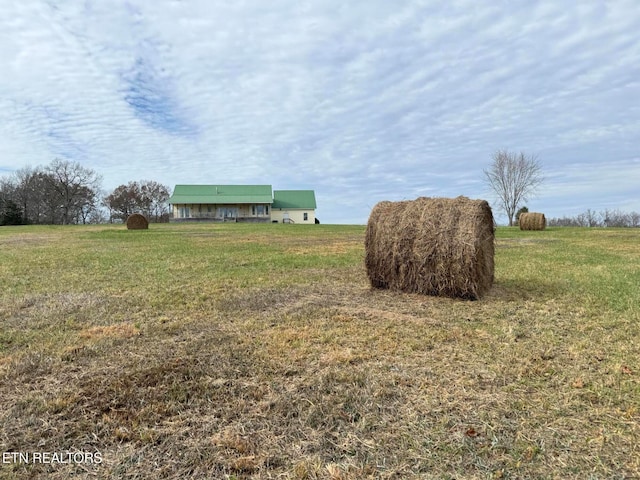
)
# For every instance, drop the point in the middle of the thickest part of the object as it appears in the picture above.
(137, 221)
(532, 221)
(432, 246)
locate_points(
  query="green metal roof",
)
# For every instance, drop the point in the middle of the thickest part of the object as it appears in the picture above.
(294, 199)
(221, 194)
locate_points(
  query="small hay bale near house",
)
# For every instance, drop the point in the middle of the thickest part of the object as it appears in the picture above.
(532, 221)
(432, 246)
(137, 221)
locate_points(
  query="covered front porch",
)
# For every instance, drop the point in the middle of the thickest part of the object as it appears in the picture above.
(221, 213)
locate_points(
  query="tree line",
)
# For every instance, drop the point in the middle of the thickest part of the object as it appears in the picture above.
(605, 218)
(65, 192)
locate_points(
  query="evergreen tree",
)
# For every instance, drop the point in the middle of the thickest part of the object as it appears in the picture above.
(10, 213)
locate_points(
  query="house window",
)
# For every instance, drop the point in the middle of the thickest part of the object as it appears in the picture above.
(266, 209)
(253, 210)
(184, 212)
(305, 216)
(260, 209)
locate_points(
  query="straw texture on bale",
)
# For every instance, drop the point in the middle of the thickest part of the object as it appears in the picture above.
(532, 221)
(137, 221)
(432, 246)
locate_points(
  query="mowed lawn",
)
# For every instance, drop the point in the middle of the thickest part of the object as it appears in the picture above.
(260, 351)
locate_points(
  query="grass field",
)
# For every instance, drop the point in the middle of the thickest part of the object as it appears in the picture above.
(260, 351)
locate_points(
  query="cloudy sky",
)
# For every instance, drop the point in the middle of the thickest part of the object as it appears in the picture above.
(362, 101)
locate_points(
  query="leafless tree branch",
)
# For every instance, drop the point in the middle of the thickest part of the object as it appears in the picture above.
(514, 178)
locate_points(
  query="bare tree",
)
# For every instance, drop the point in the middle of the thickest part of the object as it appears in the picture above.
(74, 188)
(514, 178)
(147, 197)
(156, 196)
(616, 218)
(123, 201)
(31, 187)
(591, 218)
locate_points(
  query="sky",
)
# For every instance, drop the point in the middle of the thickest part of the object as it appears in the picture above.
(361, 101)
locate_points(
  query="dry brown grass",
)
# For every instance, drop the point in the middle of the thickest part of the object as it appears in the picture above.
(311, 374)
(120, 330)
(325, 249)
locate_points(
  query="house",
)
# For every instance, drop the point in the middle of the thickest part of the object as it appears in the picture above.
(241, 203)
(293, 206)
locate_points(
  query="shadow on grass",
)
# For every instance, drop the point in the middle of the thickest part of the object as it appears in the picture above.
(517, 290)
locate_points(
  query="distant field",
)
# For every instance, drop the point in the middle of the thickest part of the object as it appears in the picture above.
(260, 351)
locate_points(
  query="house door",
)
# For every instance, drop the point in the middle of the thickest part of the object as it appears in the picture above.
(227, 213)
(285, 217)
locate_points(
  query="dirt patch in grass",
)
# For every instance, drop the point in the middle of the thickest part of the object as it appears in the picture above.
(27, 240)
(516, 242)
(326, 249)
(267, 300)
(120, 330)
(39, 308)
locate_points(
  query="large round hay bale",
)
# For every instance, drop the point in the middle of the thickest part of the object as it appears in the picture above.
(432, 246)
(532, 221)
(137, 221)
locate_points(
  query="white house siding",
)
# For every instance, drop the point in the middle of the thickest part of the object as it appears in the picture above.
(297, 216)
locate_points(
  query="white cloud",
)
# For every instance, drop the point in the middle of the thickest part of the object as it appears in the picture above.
(362, 101)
